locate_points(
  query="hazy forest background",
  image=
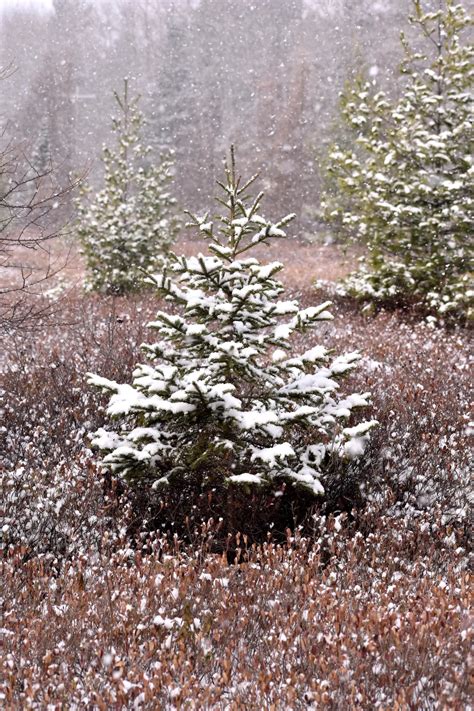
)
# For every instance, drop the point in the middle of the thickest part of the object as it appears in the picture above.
(265, 75)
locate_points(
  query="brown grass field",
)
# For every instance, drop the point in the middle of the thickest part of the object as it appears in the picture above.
(367, 605)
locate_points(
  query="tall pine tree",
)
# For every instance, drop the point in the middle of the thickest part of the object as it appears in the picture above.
(407, 189)
(223, 399)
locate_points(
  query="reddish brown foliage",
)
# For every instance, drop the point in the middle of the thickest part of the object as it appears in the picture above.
(368, 609)
(377, 626)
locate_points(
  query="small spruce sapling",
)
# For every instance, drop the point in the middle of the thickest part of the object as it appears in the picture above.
(222, 397)
(126, 229)
(407, 188)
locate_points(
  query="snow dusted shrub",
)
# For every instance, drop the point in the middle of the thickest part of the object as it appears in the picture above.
(406, 187)
(129, 225)
(53, 500)
(223, 400)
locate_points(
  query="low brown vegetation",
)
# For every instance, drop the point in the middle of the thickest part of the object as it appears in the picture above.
(340, 620)
(362, 602)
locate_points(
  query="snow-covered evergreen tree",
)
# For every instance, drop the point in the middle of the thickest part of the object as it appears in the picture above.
(408, 185)
(223, 398)
(127, 227)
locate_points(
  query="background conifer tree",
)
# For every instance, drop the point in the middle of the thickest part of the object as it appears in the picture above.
(223, 399)
(41, 158)
(408, 186)
(127, 227)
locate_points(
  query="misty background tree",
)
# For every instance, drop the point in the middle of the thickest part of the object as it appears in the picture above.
(127, 227)
(405, 186)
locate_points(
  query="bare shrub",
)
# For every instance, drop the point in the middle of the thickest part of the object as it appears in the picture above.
(32, 204)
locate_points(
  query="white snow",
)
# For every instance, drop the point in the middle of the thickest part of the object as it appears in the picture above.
(270, 455)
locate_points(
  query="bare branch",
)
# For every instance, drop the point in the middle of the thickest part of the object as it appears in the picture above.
(30, 220)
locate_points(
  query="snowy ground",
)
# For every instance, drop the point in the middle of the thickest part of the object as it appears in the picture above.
(365, 609)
